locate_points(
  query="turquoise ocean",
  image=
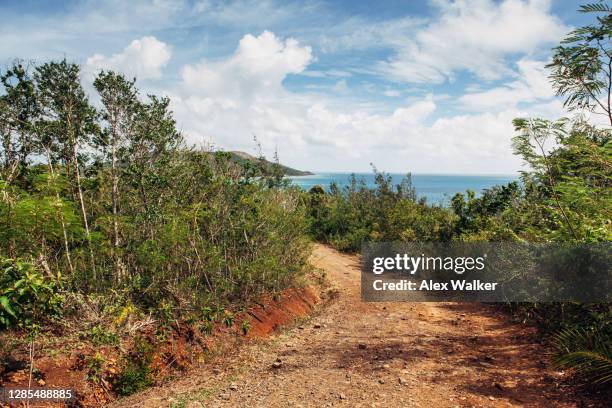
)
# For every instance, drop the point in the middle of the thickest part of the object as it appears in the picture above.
(437, 188)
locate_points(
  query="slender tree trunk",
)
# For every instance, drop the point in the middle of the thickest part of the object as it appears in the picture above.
(77, 176)
(61, 215)
(31, 370)
(9, 179)
(119, 268)
(10, 164)
(610, 89)
(8, 148)
(115, 193)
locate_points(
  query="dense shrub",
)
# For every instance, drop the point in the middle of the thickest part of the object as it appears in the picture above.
(26, 296)
(136, 374)
(210, 236)
(347, 217)
(118, 204)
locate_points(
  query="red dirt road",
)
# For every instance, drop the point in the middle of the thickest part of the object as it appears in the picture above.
(358, 354)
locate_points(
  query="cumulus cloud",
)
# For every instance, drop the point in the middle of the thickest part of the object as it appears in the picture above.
(143, 58)
(255, 70)
(228, 100)
(412, 139)
(475, 36)
(343, 111)
(532, 85)
(225, 101)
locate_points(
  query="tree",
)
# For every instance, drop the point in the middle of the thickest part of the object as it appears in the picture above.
(69, 121)
(151, 148)
(568, 192)
(578, 163)
(120, 105)
(581, 67)
(530, 144)
(19, 110)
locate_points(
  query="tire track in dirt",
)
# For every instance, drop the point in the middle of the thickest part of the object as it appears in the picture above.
(377, 355)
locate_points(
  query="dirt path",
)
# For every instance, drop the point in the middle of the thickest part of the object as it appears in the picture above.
(377, 355)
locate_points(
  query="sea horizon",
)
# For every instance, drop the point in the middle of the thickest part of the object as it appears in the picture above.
(320, 172)
(437, 188)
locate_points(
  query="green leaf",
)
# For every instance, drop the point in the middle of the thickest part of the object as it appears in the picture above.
(4, 302)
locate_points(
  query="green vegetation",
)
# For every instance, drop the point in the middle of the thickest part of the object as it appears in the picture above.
(245, 327)
(347, 217)
(107, 217)
(588, 352)
(136, 375)
(99, 335)
(26, 295)
(94, 365)
(111, 200)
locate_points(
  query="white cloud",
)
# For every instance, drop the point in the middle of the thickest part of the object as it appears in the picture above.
(255, 70)
(228, 100)
(224, 102)
(532, 85)
(143, 58)
(324, 124)
(475, 36)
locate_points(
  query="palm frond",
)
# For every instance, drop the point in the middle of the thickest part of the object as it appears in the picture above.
(588, 353)
(594, 8)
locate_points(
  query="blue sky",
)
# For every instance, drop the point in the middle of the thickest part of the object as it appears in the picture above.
(422, 86)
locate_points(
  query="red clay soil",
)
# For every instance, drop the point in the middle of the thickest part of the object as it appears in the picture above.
(270, 315)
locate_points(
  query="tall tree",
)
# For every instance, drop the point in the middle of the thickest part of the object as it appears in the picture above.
(120, 105)
(69, 120)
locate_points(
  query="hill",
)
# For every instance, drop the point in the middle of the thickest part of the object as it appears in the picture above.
(239, 157)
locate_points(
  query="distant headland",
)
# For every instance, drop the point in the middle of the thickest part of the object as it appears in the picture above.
(238, 157)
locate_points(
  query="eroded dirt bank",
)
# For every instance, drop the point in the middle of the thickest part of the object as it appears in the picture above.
(378, 355)
(91, 370)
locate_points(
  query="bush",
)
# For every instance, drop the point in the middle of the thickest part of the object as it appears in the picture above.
(137, 213)
(345, 218)
(136, 375)
(99, 335)
(27, 297)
